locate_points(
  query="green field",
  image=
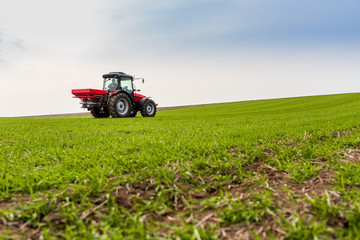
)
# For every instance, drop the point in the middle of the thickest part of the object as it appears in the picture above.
(283, 168)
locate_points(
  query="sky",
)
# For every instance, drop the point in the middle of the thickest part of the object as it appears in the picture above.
(189, 52)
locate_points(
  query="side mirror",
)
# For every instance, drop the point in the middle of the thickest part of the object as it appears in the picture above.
(142, 79)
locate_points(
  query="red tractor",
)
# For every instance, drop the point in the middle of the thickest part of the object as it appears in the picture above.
(118, 98)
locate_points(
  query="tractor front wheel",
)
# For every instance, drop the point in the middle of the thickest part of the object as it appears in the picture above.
(100, 112)
(149, 108)
(120, 106)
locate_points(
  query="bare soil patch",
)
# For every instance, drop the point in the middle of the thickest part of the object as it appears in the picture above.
(352, 155)
(277, 183)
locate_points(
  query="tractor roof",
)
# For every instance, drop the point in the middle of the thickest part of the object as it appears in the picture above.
(117, 75)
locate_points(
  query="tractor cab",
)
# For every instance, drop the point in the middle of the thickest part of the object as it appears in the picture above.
(118, 81)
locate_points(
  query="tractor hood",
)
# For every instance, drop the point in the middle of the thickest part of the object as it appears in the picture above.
(138, 95)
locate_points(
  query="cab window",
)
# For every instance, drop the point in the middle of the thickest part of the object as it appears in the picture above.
(126, 85)
(111, 84)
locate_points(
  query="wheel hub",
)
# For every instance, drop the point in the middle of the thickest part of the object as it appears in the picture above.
(122, 106)
(150, 109)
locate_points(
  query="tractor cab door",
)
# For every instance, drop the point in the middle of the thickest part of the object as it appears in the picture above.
(126, 85)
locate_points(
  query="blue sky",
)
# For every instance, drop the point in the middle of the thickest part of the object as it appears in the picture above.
(237, 24)
(189, 52)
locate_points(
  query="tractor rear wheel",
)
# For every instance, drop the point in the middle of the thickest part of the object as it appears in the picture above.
(100, 112)
(120, 106)
(149, 108)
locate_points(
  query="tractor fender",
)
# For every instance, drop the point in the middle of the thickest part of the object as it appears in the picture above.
(142, 102)
(121, 91)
